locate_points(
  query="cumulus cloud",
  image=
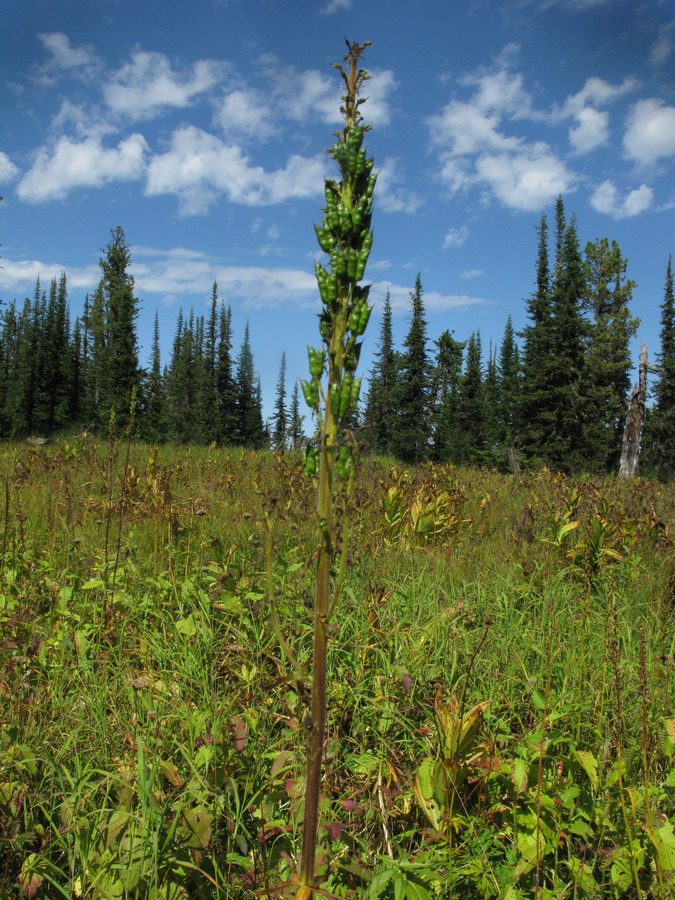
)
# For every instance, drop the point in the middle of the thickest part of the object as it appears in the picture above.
(650, 132)
(591, 130)
(70, 164)
(303, 95)
(525, 181)
(147, 84)
(199, 167)
(456, 237)
(63, 54)
(8, 171)
(246, 113)
(18, 277)
(391, 196)
(434, 301)
(606, 199)
(476, 145)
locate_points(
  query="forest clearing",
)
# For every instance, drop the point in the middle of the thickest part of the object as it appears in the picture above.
(501, 679)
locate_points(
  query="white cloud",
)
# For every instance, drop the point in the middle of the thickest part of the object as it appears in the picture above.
(650, 131)
(8, 171)
(525, 181)
(18, 277)
(198, 167)
(245, 113)
(456, 237)
(474, 149)
(662, 48)
(70, 164)
(390, 197)
(174, 274)
(65, 56)
(304, 95)
(591, 130)
(500, 91)
(599, 92)
(434, 301)
(592, 124)
(606, 199)
(472, 273)
(336, 5)
(148, 83)
(462, 129)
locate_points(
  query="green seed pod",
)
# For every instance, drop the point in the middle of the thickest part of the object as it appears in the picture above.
(354, 392)
(316, 361)
(363, 321)
(324, 238)
(344, 462)
(310, 464)
(310, 390)
(345, 394)
(335, 399)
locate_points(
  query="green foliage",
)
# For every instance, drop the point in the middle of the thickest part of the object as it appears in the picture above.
(660, 427)
(505, 641)
(412, 439)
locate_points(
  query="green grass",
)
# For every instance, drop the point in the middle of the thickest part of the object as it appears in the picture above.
(151, 733)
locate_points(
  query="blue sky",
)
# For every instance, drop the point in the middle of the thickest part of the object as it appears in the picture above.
(200, 128)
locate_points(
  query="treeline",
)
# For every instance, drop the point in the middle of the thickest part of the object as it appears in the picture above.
(56, 374)
(557, 398)
(555, 394)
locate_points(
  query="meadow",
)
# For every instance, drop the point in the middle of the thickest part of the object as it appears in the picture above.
(501, 682)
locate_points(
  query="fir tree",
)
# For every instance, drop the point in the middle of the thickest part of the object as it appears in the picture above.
(280, 426)
(472, 405)
(445, 392)
(509, 389)
(295, 433)
(380, 413)
(225, 383)
(250, 430)
(121, 309)
(154, 425)
(568, 412)
(659, 439)
(533, 415)
(608, 360)
(413, 428)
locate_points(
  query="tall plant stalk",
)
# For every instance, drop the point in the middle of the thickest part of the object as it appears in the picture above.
(346, 237)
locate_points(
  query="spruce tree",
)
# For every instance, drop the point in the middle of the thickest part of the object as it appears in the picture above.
(510, 399)
(121, 372)
(154, 425)
(659, 439)
(249, 426)
(380, 412)
(446, 380)
(533, 415)
(567, 407)
(472, 405)
(225, 382)
(295, 433)
(412, 440)
(608, 361)
(280, 426)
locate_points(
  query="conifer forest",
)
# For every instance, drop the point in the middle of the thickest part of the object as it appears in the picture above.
(409, 637)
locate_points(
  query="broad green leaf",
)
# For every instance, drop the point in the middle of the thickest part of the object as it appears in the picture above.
(589, 764)
(663, 839)
(187, 626)
(519, 775)
(198, 821)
